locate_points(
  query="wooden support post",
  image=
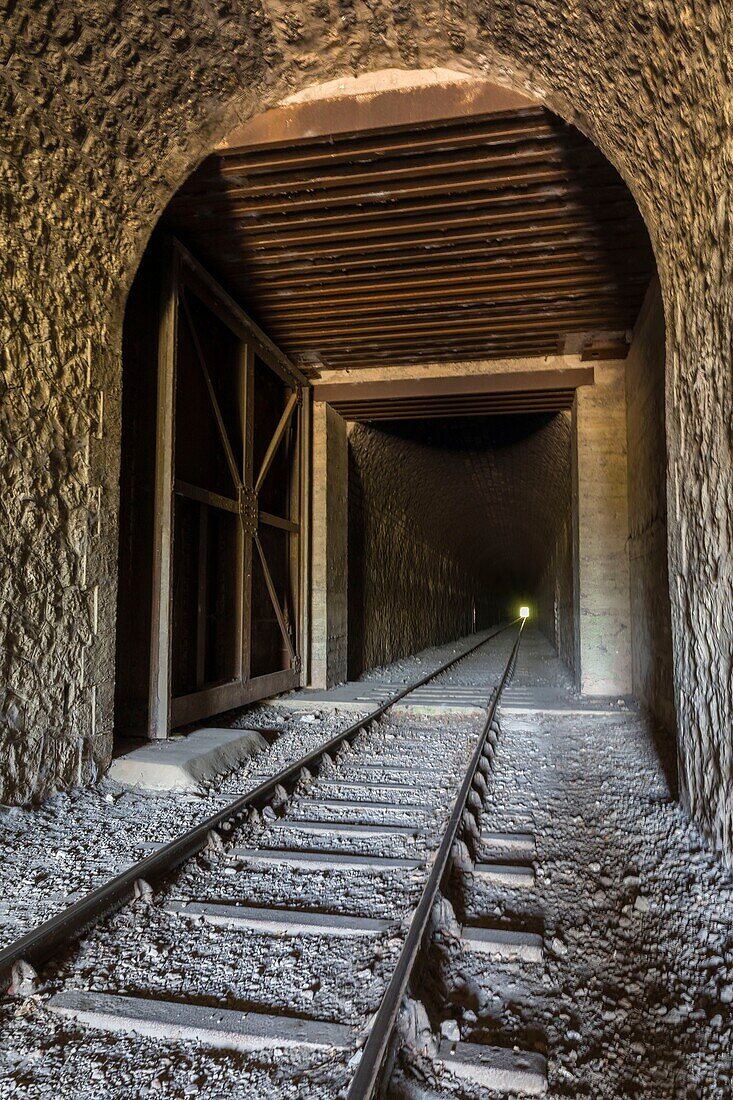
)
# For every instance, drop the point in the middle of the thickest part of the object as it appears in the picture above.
(160, 649)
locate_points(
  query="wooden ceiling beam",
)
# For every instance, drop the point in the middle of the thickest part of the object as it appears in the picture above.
(501, 342)
(595, 319)
(463, 315)
(458, 386)
(550, 344)
(405, 143)
(449, 414)
(587, 270)
(517, 233)
(540, 153)
(510, 181)
(487, 293)
(437, 261)
(358, 111)
(367, 411)
(401, 408)
(598, 320)
(601, 318)
(492, 209)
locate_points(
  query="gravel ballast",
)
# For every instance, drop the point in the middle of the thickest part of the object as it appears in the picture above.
(634, 996)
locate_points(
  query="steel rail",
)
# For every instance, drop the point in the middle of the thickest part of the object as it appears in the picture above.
(48, 938)
(378, 1044)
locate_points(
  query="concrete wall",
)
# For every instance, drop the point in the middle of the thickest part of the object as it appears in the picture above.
(106, 115)
(601, 531)
(329, 567)
(651, 627)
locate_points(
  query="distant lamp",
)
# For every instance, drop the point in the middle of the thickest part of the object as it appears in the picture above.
(524, 612)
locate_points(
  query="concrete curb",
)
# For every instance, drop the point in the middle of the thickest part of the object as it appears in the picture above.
(185, 763)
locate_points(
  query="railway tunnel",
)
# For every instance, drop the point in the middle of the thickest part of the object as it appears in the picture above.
(434, 290)
(394, 418)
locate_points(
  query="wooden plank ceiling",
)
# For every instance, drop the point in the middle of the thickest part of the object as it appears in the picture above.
(506, 233)
(534, 391)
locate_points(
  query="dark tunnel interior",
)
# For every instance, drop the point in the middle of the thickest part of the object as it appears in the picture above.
(483, 502)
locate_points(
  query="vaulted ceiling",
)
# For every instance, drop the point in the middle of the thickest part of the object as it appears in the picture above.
(477, 235)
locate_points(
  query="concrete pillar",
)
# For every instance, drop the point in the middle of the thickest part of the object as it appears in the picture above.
(601, 531)
(329, 547)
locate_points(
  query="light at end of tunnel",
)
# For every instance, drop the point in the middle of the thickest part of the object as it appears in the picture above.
(524, 612)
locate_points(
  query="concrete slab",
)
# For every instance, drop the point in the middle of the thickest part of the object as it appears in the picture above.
(435, 710)
(497, 1068)
(352, 806)
(184, 764)
(371, 785)
(504, 943)
(328, 706)
(433, 700)
(567, 712)
(505, 874)
(396, 764)
(225, 1029)
(349, 828)
(356, 696)
(523, 843)
(324, 861)
(352, 696)
(287, 922)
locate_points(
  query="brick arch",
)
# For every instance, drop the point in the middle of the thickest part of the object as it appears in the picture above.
(109, 111)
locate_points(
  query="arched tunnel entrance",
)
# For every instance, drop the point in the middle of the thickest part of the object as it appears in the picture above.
(393, 365)
(461, 278)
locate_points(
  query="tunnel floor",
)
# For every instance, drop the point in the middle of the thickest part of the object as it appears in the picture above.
(635, 996)
(635, 993)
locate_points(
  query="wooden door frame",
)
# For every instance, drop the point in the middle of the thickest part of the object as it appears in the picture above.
(181, 269)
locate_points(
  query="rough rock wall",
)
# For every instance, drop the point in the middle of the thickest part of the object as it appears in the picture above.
(108, 107)
(555, 598)
(448, 517)
(407, 590)
(651, 629)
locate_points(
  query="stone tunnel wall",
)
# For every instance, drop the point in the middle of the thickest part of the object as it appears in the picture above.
(449, 519)
(107, 108)
(406, 589)
(651, 630)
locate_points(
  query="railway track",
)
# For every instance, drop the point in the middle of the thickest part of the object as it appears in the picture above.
(336, 875)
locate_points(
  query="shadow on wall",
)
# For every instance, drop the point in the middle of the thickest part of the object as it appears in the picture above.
(651, 623)
(449, 526)
(407, 589)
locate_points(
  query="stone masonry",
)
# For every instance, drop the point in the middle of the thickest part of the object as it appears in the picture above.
(448, 519)
(109, 107)
(409, 584)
